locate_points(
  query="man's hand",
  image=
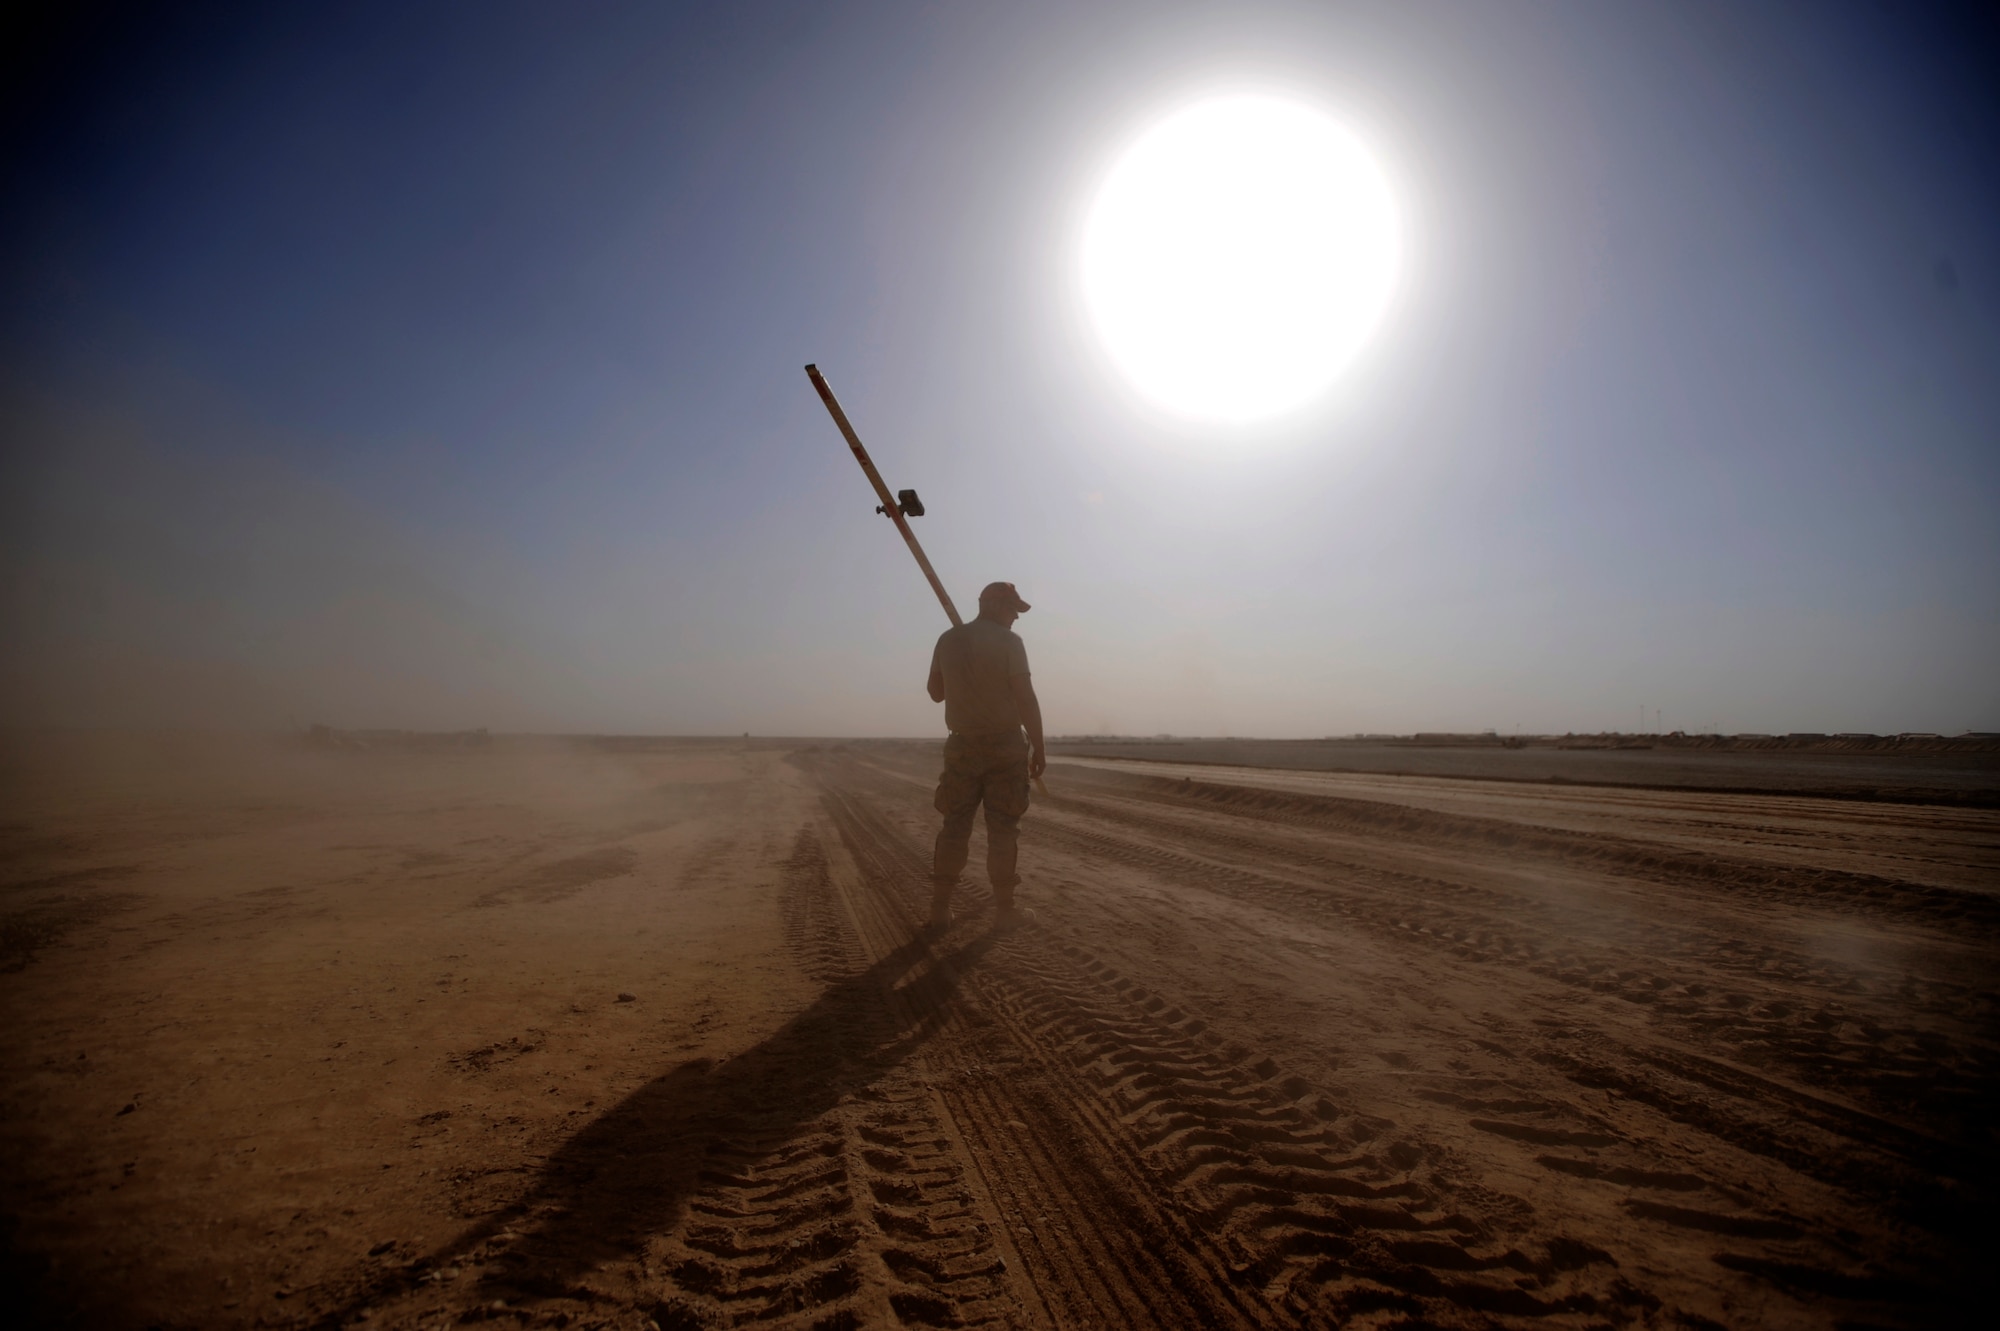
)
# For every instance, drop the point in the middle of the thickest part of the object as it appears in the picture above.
(1038, 762)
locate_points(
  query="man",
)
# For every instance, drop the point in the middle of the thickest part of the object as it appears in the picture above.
(980, 673)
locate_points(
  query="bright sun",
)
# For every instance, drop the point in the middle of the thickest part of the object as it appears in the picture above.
(1238, 256)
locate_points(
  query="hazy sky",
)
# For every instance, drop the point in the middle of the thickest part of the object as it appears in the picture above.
(440, 365)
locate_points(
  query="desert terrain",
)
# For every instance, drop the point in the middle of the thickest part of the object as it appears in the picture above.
(643, 1033)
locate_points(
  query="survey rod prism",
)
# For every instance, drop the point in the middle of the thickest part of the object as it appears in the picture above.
(890, 504)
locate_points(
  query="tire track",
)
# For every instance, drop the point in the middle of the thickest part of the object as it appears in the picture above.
(1277, 1203)
(1273, 1191)
(863, 1210)
(1096, 1249)
(1833, 1043)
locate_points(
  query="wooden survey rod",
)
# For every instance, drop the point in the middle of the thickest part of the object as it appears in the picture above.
(889, 503)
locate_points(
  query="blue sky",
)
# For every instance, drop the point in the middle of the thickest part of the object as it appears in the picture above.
(440, 365)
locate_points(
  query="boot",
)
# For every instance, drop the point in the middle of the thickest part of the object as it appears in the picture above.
(1008, 916)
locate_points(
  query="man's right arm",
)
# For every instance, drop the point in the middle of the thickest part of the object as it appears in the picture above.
(937, 673)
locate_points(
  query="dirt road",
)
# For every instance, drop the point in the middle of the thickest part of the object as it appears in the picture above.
(608, 1037)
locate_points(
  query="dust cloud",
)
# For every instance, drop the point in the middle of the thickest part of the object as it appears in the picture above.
(201, 583)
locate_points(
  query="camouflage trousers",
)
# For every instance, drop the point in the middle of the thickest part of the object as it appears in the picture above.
(989, 769)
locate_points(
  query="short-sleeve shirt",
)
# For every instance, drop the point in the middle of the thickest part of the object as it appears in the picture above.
(979, 660)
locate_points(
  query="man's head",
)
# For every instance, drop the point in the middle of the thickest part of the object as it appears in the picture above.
(999, 601)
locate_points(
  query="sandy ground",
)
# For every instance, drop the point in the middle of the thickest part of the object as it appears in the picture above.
(1957, 771)
(1946, 847)
(566, 1035)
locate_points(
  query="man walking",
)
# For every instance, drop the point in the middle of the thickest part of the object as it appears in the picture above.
(980, 673)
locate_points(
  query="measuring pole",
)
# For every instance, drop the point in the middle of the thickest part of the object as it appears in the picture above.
(889, 504)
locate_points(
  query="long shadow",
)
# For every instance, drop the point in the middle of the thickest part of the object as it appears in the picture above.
(629, 1174)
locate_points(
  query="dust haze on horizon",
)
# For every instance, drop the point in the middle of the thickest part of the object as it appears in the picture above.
(441, 368)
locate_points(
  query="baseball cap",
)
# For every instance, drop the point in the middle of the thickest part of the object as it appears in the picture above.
(1003, 594)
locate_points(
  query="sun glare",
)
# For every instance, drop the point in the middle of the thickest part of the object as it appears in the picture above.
(1237, 257)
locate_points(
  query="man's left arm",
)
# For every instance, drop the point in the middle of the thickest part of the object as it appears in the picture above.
(1023, 688)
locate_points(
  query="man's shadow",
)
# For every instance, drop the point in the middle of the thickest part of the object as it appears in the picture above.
(629, 1174)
